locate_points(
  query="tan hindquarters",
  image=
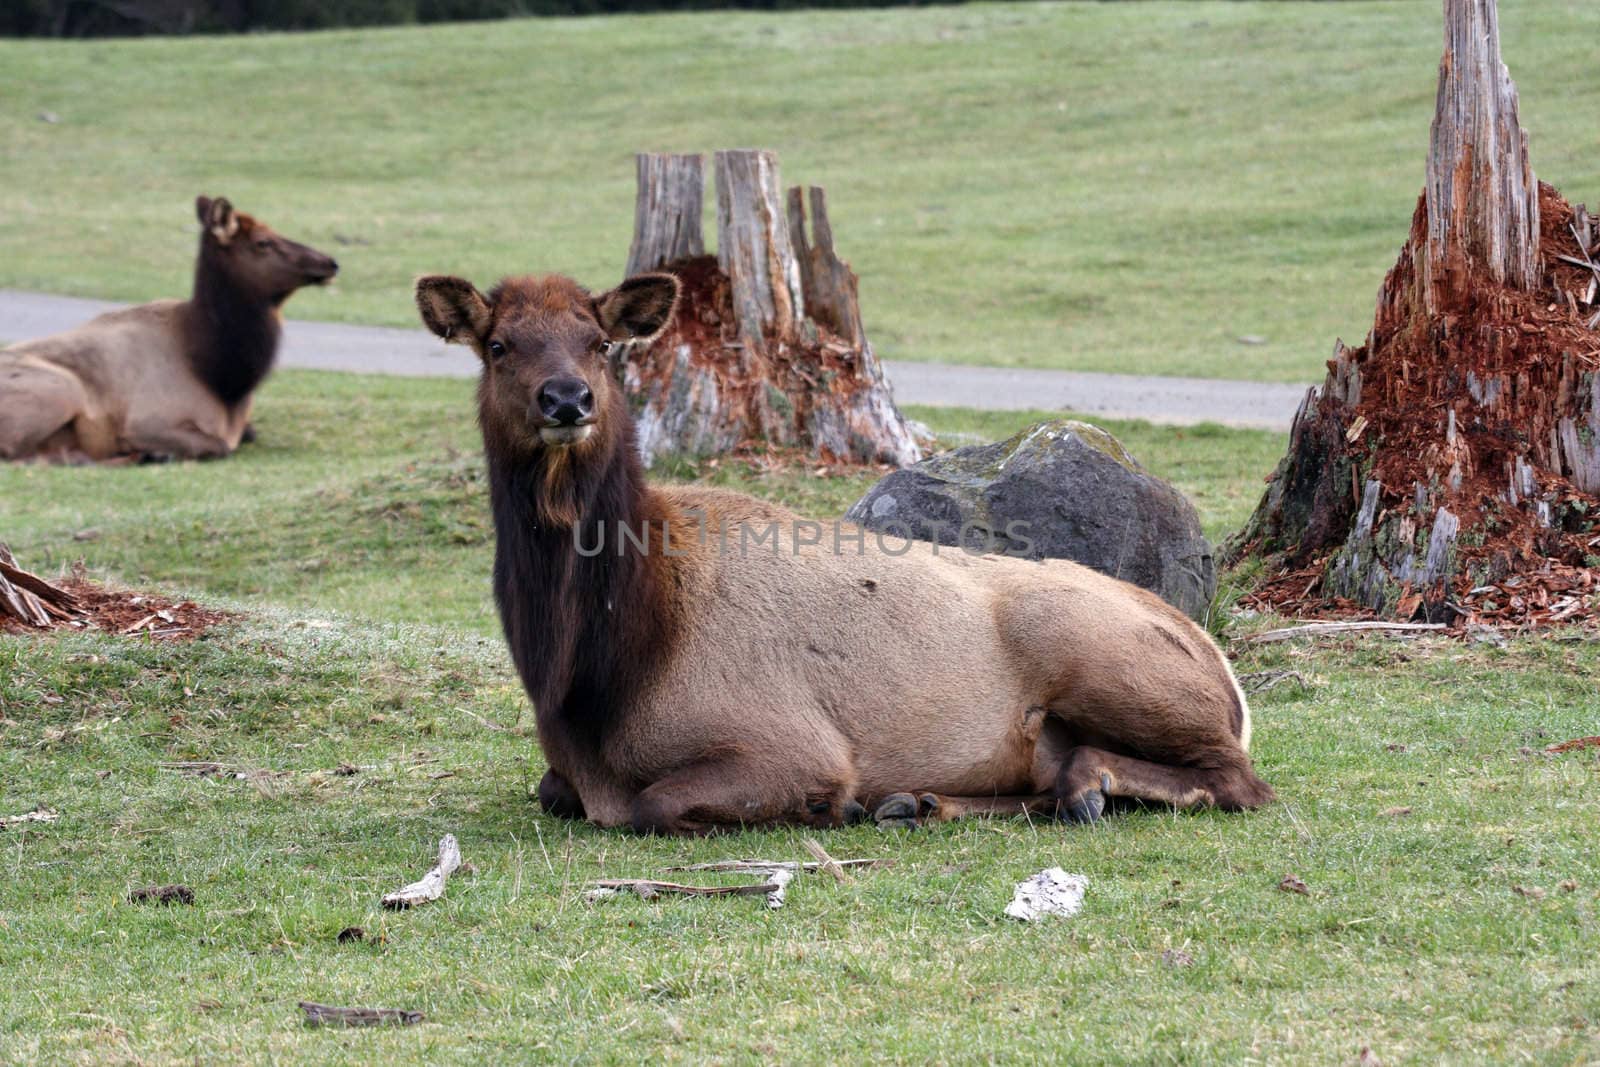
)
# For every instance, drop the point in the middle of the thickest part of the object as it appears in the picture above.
(46, 409)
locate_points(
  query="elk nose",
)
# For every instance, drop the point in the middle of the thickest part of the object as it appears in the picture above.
(566, 401)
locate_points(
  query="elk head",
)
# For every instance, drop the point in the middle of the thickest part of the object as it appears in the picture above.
(253, 256)
(545, 343)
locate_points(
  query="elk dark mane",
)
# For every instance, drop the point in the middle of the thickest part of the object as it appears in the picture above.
(233, 333)
(585, 631)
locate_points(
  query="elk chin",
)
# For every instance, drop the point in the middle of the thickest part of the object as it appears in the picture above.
(565, 436)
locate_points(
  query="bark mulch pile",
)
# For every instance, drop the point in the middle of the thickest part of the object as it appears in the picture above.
(31, 605)
(1470, 403)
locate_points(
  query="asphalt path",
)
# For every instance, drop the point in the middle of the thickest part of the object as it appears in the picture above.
(418, 354)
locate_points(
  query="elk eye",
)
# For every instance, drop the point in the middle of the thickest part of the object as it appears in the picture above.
(496, 349)
(605, 348)
(263, 242)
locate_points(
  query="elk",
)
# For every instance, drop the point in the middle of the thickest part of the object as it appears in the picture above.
(165, 380)
(684, 683)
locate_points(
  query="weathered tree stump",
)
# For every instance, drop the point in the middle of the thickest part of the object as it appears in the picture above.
(1448, 468)
(749, 356)
(1483, 201)
(666, 216)
(30, 599)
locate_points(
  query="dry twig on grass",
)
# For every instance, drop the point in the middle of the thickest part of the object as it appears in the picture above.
(775, 865)
(327, 1015)
(36, 815)
(649, 888)
(775, 877)
(1334, 629)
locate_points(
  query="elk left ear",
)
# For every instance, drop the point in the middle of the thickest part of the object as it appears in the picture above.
(220, 220)
(638, 309)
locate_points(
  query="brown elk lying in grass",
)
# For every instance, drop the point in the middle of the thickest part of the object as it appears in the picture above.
(685, 682)
(169, 379)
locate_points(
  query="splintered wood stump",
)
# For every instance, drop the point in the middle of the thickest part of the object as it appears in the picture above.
(1450, 466)
(767, 345)
(29, 598)
(1483, 201)
(666, 216)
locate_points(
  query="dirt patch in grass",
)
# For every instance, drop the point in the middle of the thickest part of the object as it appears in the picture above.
(126, 612)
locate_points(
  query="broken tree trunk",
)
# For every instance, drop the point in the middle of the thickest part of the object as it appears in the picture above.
(767, 345)
(1449, 466)
(29, 598)
(666, 215)
(1483, 201)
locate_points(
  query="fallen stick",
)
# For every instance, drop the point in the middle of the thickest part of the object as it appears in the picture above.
(1262, 681)
(648, 887)
(774, 865)
(431, 887)
(327, 1015)
(36, 815)
(827, 862)
(1576, 262)
(1327, 629)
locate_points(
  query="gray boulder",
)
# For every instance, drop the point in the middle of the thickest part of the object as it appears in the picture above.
(1062, 489)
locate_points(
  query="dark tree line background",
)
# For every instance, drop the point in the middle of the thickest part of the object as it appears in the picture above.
(117, 18)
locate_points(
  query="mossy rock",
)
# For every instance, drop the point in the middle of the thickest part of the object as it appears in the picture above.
(1060, 489)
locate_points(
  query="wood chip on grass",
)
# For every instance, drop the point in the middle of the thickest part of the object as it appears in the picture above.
(431, 885)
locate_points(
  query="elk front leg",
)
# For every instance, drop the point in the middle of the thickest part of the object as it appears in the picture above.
(558, 798)
(729, 794)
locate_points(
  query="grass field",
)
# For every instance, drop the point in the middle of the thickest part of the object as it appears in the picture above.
(1453, 884)
(1121, 187)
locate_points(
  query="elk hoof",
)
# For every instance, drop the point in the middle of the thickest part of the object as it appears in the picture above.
(1088, 807)
(854, 813)
(155, 457)
(898, 812)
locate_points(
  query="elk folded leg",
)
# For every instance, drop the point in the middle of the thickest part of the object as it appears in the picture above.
(1091, 776)
(731, 794)
(910, 810)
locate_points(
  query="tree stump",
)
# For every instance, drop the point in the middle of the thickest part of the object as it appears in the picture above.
(30, 599)
(767, 344)
(666, 215)
(1448, 468)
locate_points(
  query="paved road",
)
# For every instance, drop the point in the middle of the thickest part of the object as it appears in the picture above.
(416, 353)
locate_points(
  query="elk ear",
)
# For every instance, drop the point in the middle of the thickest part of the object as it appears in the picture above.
(453, 308)
(217, 217)
(638, 309)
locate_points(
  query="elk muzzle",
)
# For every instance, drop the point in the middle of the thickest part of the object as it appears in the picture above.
(566, 411)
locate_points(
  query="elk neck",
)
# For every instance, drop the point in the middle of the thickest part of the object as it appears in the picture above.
(233, 333)
(585, 631)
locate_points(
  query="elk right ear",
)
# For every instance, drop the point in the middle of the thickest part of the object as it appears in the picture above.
(453, 308)
(217, 217)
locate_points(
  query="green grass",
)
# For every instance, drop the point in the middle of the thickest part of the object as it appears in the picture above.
(1423, 935)
(365, 495)
(1119, 187)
